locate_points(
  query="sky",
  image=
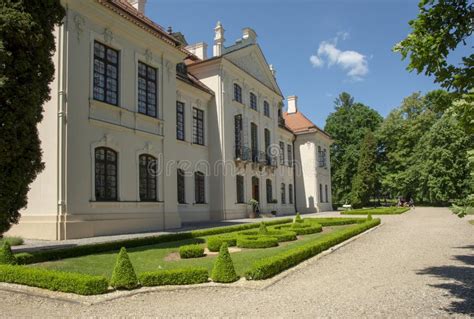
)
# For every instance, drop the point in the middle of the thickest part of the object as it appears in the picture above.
(318, 48)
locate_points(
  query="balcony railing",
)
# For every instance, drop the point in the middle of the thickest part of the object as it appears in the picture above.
(244, 153)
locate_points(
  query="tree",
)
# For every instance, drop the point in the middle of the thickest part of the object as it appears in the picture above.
(26, 69)
(439, 28)
(443, 167)
(347, 126)
(363, 185)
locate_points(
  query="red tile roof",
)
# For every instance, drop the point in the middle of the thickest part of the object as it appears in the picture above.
(300, 124)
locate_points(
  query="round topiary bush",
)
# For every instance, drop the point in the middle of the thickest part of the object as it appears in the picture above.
(214, 243)
(298, 218)
(369, 216)
(6, 255)
(255, 241)
(123, 276)
(191, 251)
(223, 270)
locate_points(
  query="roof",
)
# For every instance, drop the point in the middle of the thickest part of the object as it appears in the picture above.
(127, 11)
(192, 80)
(298, 123)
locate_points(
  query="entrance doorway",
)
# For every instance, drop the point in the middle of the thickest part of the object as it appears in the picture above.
(255, 189)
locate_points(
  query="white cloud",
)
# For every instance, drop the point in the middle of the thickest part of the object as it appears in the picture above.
(354, 63)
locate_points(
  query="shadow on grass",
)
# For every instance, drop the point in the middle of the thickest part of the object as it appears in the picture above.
(459, 282)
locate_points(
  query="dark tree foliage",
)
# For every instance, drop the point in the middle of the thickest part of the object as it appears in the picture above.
(347, 126)
(26, 69)
(441, 26)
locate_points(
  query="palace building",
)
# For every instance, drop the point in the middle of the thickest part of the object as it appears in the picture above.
(145, 132)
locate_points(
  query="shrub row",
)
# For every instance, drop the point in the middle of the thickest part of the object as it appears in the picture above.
(377, 211)
(247, 241)
(186, 276)
(302, 228)
(191, 251)
(54, 280)
(280, 235)
(214, 243)
(56, 254)
(270, 266)
(335, 221)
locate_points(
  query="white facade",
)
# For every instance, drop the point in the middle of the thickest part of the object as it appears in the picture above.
(63, 203)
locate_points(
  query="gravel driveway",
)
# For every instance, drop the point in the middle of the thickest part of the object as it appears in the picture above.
(419, 264)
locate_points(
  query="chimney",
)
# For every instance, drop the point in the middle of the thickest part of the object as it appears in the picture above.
(292, 104)
(274, 72)
(139, 5)
(218, 39)
(249, 35)
(198, 49)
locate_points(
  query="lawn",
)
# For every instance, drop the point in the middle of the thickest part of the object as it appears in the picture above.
(164, 256)
(377, 211)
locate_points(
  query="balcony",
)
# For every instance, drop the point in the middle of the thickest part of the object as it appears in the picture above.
(246, 154)
(242, 153)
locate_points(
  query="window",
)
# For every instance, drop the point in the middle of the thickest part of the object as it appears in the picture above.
(106, 74)
(326, 193)
(269, 191)
(253, 101)
(180, 120)
(147, 173)
(237, 93)
(238, 136)
(266, 108)
(239, 179)
(147, 91)
(198, 126)
(290, 193)
(254, 141)
(105, 174)
(199, 191)
(267, 147)
(283, 193)
(321, 155)
(320, 193)
(282, 153)
(289, 149)
(324, 158)
(181, 187)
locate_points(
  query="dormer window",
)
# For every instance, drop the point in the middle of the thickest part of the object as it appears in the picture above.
(237, 93)
(253, 101)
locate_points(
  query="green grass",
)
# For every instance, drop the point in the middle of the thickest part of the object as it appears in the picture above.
(151, 258)
(377, 211)
(13, 241)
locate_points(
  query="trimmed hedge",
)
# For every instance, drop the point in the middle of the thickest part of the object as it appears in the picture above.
(214, 243)
(248, 241)
(298, 218)
(270, 266)
(223, 270)
(377, 211)
(54, 280)
(6, 255)
(186, 276)
(191, 251)
(56, 254)
(280, 235)
(302, 228)
(335, 221)
(123, 276)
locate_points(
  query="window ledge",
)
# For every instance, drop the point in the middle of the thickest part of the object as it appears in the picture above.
(148, 118)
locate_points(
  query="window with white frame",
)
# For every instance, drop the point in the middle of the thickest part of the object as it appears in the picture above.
(106, 74)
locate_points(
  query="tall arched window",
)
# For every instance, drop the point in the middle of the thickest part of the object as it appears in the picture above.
(269, 191)
(320, 193)
(106, 179)
(283, 193)
(181, 187)
(237, 93)
(290, 193)
(253, 101)
(199, 188)
(147, 180)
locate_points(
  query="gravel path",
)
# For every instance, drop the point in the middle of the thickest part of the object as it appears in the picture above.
(419, 264)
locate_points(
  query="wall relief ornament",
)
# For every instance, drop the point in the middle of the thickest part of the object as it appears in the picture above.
(79, 23)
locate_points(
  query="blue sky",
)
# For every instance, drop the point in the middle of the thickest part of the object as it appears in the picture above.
(350, 42)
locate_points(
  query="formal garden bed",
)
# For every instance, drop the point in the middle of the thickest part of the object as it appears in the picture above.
(377, 211)
(257, 251)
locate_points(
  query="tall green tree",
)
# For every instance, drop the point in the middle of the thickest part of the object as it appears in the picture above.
(364, 182)
(441, 26)
(443, 165)
(348, 125)
(26, 69)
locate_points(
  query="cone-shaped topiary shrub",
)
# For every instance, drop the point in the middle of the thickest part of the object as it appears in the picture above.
(223, 270)
(124, 276)
(6, 255)
(298, 218)
(263, 229)
(369, 217)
